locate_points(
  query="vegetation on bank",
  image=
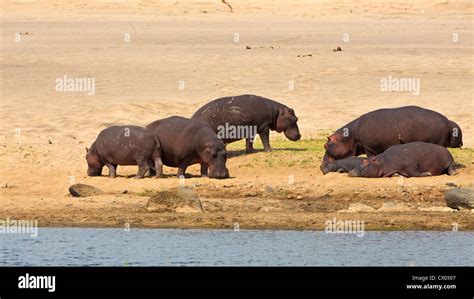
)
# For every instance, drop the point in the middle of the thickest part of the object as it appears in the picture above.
(307, 153)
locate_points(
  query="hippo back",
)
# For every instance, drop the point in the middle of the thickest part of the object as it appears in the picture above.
(239, 110)
(380, 129)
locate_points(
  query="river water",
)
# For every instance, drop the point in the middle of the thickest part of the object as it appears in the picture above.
(196, 247)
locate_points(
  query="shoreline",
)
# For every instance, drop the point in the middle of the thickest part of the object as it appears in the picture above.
(269, 229)
(283, 194)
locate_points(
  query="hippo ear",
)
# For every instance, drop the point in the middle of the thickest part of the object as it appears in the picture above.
(329, 138)
(87, 150)
(373, 159)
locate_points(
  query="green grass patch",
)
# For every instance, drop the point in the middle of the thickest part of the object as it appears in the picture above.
(306, 153)
(463, 156)
(308, 145)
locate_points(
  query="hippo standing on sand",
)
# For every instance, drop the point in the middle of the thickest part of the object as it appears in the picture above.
(185, 142)
(125, 145)
(374, 132)
(244, 116)
(415, 159)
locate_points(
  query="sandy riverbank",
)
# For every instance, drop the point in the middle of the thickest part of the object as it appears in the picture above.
(43, 132)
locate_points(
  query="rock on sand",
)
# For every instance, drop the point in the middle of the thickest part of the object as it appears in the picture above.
(83, 190)
(460, 198)
(181, 201)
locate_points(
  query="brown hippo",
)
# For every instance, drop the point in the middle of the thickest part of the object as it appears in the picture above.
(242, 117)
(125, 145)
(374, 132)
(412, 159)
(186, 142)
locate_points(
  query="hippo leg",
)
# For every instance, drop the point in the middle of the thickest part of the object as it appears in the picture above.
(142, 169)
(182, 171)
(413, 172)
(369, 152)
(204, 168)
(396, 174)
(158, 167)
(151, 168)
(112, 169)
(249, 145)
(265, 137)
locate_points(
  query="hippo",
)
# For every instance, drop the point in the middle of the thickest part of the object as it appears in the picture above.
(374, 132)
(455, 140)
(343, 165)
(125, 145)
(186, 142)
(414, 159)
(244, 116)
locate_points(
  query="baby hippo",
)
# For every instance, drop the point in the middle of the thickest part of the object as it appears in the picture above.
(125, 145)
(413, 159)
(343, 165)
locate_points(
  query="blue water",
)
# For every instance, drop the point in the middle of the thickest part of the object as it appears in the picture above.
(174, 247)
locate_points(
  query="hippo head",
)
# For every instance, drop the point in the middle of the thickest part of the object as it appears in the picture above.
(369, 168)
(329, 167)
(215, 155)
(327, 161)
(339, 147)
(287, 122)
(94, 164)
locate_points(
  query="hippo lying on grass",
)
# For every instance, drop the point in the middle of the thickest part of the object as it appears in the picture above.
(343, 165)
(374, 132)
(415, 159)
(125, 145)
(186, 142)
(244, 116)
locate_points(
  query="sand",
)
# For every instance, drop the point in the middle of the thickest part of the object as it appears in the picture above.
(153, 59)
